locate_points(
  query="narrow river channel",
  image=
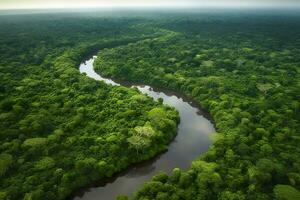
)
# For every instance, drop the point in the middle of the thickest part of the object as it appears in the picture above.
(193, 139)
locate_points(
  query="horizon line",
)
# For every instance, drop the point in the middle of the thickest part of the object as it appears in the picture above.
(157, 7)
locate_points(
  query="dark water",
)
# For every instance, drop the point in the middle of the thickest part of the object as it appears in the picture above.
(193, 139)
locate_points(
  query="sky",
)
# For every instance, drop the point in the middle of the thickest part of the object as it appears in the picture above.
(30, 4)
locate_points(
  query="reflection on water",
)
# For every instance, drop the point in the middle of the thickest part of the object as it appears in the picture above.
(87, 67)
(192, 140)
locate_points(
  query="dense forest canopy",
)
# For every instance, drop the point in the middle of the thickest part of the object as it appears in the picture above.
(61, 130)
(246, 73)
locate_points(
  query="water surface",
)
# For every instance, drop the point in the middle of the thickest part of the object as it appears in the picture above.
(192, 140)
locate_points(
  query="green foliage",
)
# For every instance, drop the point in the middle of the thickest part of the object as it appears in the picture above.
(45, 163)
(60, 130)
(244, 70)
(138, 142)
(6, 160)
(144, 131)
(35, 142)
(122, 197)
(286, 192)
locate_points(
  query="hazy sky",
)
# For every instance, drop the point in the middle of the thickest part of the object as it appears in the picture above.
(13, 4)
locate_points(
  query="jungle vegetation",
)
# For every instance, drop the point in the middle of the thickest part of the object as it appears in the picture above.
(61, 130)
(245, 72)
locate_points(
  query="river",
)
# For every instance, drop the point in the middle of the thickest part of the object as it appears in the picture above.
(193, 138)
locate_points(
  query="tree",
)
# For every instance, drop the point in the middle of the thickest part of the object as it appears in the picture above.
(6, 161)
(86, 165)
(145, 131)
(139, 143)
(286, 192)
(264, 87)
(45, 163)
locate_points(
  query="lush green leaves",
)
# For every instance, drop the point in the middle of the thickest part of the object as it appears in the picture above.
(59, 129)
(245, 71)
(286, 192)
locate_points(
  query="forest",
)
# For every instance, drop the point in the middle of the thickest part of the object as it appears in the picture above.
(61, 130)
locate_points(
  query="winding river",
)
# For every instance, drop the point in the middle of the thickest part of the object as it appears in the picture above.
(193, 139)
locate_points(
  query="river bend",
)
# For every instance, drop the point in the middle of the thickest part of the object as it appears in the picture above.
(193, 138)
